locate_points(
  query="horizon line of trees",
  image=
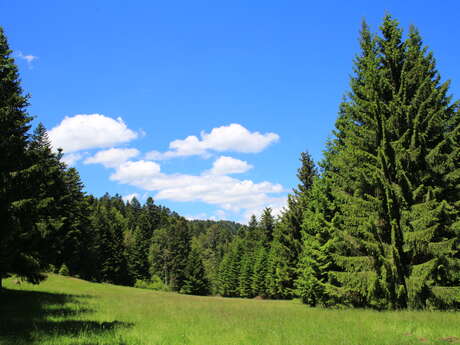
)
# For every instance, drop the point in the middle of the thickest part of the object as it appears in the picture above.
(376, 224)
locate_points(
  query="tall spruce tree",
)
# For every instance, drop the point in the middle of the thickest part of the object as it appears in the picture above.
(316, 258)
(266, 226)
(19, 236)
(195, 277)
(230, 268)
(259, 273)
(281, 263)
(394, 166)
(245, 274)
(286, 246)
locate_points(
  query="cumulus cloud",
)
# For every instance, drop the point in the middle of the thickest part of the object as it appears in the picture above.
(214, 186)
(86, 131)
(233, 137)
(136, 173)
(27, 57)
(228, 165)
(72, 158)
(227, 192)
(113, 157)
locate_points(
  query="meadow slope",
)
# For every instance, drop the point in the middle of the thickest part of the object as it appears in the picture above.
(69, 311)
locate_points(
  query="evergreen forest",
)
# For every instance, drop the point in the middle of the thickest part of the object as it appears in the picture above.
(375, 224)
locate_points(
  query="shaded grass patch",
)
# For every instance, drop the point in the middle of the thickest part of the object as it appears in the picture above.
(30, 316)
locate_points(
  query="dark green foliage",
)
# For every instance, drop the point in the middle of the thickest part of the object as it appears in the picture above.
(259, 273)
(213, 243)
(199, 227)
(316, 259)
(281, 264)
(285, 249)
(195, 278)
(394, 171)
(229, 270)
(245, 275)
(251, 233)
(19, 237)
(266, 226)
(138, 255)
(306, 174)
(62, 211)
(293, 217)
(109, 226)
(169, 252)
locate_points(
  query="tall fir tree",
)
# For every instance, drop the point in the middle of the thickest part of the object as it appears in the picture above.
(195, 277)
(318, 241)
(392, 150)
(285, 249)
(266, 227)
(230, 268)
(281, 263)
(19, 236)
(259, 273)
(245, 274)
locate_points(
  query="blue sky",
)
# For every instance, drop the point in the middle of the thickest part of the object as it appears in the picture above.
(204, 105)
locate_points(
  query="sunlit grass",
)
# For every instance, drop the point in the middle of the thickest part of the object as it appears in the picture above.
(69, 311)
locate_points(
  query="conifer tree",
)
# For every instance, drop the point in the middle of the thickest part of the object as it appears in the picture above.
(77, 239)
(245, 274)
(61, 211)
(266, 226)
(316, 257)
(109, 226)
(251, 231)
(229, 270)
(195, 279)
(259, 273)
(19, 236)
(389, 160)
(138, 253)
(281, 264)
(286, 246)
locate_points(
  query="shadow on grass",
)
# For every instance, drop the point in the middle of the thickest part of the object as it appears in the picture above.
(24, 317)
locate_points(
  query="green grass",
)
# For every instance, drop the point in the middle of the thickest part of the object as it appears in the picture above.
(69, 311)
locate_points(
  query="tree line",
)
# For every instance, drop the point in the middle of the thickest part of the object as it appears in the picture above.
(375, 224)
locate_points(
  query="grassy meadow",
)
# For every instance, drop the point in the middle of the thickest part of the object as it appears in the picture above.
(69, 311)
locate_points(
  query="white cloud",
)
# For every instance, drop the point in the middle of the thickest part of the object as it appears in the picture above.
(72, 158)
(139, 172)
(227, 192)
(130, 197)
(29, 58)
(113, 157)
(233, 137)
(86, 131)
(227, 165)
